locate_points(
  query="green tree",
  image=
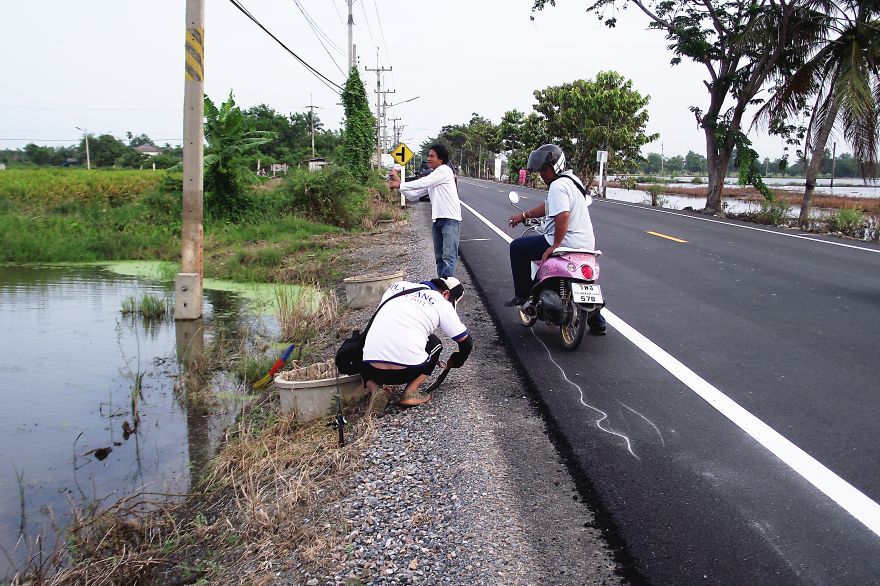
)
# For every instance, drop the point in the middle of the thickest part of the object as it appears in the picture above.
(40, 155)
(843, 77)
(590, 115)
(136, 140)
(741, 43)
(674, 165)
(104, 150)
(653, 164)
(360, 127)
(694, 163)
(231, 137)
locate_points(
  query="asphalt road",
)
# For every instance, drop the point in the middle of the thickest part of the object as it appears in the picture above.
(728, 423)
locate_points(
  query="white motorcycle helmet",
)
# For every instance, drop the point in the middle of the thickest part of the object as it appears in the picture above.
(548, 155)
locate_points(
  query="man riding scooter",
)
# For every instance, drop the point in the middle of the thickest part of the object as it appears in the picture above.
(567, 224)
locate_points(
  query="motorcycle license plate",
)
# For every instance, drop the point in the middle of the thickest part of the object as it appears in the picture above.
(585, 293)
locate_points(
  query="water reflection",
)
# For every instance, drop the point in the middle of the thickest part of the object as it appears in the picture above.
(92, 411)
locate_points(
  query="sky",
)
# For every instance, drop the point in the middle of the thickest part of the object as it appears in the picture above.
(111, 66)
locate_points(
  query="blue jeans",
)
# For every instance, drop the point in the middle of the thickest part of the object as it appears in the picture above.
(523, 251)
(446, 233)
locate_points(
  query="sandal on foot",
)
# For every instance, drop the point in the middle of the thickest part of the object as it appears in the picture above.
(413, 399)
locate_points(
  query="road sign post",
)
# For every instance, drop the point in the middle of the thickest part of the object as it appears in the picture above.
(601, 158)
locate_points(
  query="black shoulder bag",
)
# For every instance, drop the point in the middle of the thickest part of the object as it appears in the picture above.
(350, 354)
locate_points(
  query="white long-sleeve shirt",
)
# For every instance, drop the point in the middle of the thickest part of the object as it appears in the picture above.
(439, 185)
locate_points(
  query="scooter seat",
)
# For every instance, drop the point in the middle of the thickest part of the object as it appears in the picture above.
(564, 250)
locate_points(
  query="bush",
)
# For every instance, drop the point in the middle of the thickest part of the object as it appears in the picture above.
(847, 221)
(697, 180)
(773, 213)
(330, 196)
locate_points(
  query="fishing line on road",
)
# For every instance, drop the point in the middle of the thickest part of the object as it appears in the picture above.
(604, 416)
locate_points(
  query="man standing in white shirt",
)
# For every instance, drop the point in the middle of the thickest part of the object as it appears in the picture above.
(566, 224)
(401, 347)
(440, 186)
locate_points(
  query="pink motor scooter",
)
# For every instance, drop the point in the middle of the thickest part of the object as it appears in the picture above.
(564, 290)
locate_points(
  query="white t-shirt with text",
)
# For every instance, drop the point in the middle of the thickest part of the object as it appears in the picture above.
(401, 328)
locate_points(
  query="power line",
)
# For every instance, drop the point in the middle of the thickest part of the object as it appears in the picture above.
(321, 77)
(317, 28)
(367, 21)
(384, 44)
(318, 33)
(66, 108)
(336, 8)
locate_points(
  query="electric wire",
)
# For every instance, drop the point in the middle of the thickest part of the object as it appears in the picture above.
(367, 21)
(317, 28)
(336, 8)
(384, 44)
(318, 34)
(321, 77)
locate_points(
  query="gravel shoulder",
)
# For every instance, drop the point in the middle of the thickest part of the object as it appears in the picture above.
(469, 488)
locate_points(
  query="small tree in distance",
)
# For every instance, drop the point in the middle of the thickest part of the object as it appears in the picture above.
(586, 116)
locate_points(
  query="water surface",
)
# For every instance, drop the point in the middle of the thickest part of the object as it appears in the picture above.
(68, 363)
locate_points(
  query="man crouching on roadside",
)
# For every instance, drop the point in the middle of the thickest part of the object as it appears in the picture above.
(401, 348)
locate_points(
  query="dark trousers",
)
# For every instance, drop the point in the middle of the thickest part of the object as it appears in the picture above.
(406, 375)
(523, 251)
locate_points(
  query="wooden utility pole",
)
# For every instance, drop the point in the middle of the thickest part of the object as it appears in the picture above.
(188, 284)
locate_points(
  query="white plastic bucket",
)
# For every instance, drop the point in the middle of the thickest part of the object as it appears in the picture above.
(308, 392)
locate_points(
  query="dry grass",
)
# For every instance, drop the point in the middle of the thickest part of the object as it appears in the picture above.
(261, 508)
(306, 313)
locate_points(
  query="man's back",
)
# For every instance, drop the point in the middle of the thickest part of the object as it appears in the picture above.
(401, 328)
(563, 195)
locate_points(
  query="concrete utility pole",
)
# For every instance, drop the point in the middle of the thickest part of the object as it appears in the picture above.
(312, 107)
(88, 158)
(379, 114)
(385, 146)
(188, 284)
(833, 162)
(397, 130)
(351, 59)
(662, 157)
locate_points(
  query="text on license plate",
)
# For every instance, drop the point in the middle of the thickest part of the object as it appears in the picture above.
(584, 293)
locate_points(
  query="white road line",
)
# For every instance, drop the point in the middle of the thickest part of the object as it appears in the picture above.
(852, 500)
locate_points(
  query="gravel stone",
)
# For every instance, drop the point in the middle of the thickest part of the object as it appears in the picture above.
(467, 488)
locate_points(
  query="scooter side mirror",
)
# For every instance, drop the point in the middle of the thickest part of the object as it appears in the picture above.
(513, 197)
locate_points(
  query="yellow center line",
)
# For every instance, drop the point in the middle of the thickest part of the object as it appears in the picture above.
(659, 235)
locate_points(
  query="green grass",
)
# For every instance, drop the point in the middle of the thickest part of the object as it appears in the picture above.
(62, 215)
(147, 307)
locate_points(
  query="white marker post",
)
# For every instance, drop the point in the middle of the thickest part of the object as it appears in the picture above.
(402, 170)
(601, 158)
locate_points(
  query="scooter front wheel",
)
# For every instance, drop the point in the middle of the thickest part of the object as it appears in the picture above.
(573, 333)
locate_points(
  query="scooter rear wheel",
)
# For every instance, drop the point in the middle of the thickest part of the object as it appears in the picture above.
(573, 333)
(526, 319)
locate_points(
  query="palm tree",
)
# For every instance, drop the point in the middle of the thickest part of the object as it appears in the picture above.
(843, 77)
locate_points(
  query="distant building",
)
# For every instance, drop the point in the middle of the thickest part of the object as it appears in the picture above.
(278, 168)
(149, 150)
(316, 163)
